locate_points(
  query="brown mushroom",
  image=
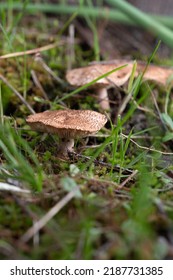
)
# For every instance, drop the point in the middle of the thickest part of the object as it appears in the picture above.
(68, 124)
(81, 76)
(159, 74)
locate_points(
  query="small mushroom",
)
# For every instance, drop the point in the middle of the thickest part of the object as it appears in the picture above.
(159, 74)
(81, 76)
(68, 124)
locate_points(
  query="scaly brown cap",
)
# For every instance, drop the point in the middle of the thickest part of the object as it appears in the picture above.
(67, 123)
(81, 76)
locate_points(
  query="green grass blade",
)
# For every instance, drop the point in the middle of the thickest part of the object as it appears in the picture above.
(132, 77)
(14, 147)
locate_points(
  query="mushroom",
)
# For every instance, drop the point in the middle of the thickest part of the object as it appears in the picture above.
(68, 124)
(82, 76)
(156, 73)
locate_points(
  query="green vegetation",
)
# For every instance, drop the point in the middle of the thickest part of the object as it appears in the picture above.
(113, 198)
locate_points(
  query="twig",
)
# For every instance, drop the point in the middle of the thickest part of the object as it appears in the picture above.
(147, 148)
(116, 185)
(127, 179)
(70, 47)
(33, 51)
(166, 189)
(121, 194)
(73, 155)
(17, 94)
(144, 109)
(38, 84)
(117, 190)
(12, 188)
(124, 103)
(40, 60)
(48, 216)
(157, 108)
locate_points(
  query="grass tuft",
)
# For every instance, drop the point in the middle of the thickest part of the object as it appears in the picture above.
(18, 155)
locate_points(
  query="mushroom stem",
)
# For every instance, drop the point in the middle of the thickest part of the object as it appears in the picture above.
(66, 145)
(103, 98)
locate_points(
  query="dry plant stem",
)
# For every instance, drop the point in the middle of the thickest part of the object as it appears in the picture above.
(33, 51)
(124, 104)
(36, 237)
(101, 181)
(47, 69)
(127, 179)
(12, 188)
(49, 215)
(146, 148)
(117, 168)
(120, 193)
(103, 98)
(70, 47)
(168, 188)
(157, 108)
(17, 94)
(144, 109)
(38, 84)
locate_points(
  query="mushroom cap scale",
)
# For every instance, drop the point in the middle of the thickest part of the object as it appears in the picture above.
(67, 123)
(84, 75)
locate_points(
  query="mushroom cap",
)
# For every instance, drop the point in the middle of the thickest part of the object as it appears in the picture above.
(157, 73)
(81, 76)
(67, 123)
